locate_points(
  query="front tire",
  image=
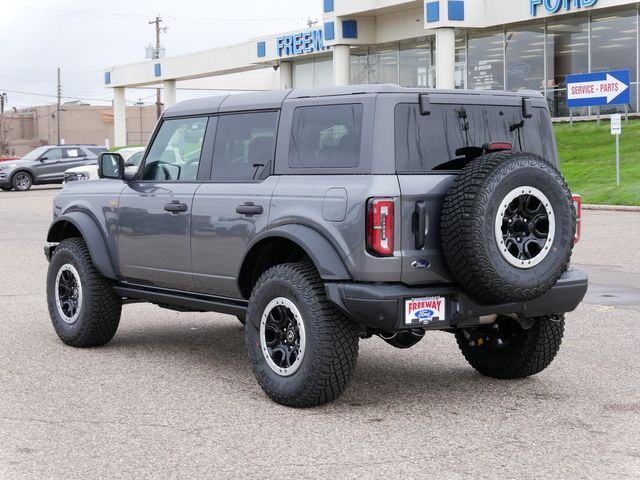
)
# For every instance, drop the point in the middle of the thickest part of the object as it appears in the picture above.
(84, 309)
(303, 350)
(21, 181)
(5, 189)
(505, 350)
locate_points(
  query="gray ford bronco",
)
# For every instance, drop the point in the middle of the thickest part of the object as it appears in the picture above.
(321, 217)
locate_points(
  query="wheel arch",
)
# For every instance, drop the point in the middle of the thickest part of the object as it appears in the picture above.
(22, 170)
(79, 224)
(289, 243)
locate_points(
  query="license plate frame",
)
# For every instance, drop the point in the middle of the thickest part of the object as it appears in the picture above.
(425, 311)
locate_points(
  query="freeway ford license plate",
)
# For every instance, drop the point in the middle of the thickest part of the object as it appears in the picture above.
(424, 311)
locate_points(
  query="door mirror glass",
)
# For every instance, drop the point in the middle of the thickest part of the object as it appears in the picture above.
(110, 165)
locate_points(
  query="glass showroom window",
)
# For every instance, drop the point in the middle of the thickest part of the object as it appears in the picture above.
(486, 61)
(383, 66)
(460, 74)
(567, 52)
(525, 58)
(416, 65)
(614, 46)
(359, 67)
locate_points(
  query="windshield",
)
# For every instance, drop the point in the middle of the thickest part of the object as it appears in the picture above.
(34, 154)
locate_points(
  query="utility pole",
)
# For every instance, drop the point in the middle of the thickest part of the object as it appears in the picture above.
(58, 110)
(3, 101)
(156, 55)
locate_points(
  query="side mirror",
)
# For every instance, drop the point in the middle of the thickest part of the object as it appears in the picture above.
(110, 165)
(42, 159)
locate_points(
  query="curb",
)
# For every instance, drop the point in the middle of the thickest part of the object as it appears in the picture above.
(612, 208)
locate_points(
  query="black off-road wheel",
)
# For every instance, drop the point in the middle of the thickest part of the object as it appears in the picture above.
(506, 350)
(507, 227)
(84, 309)
(21, 181)
(303, 350)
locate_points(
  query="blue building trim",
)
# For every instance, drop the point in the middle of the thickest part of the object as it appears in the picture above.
(349, 29)
(329, 31)
(456, 10)
(157, 70)
(261, 49)
(328, 6)
(107, 78)
(432, 12)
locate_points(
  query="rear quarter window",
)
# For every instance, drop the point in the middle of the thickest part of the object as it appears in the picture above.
(437, 141)
(326, 136)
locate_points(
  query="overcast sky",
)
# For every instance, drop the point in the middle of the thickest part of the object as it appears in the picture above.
(83, 37)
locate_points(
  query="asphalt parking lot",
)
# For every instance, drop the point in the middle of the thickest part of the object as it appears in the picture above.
(173, 394)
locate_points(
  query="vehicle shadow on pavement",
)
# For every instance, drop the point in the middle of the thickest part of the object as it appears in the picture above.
(383, 376)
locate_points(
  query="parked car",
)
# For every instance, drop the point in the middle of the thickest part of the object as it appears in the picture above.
(132, 157)
(379, 211)
(46, 164)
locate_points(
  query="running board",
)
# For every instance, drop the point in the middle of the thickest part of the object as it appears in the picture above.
(182, 300)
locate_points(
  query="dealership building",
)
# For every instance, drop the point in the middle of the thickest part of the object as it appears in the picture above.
(467, 44)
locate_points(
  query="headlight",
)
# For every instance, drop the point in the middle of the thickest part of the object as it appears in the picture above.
(7, 167)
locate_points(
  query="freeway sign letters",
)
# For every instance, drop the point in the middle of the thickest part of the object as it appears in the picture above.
(602, 88)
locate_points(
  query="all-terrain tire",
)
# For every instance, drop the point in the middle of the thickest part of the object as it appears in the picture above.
(522, 353)
(99, 308)
(331, 349)
(468, 227)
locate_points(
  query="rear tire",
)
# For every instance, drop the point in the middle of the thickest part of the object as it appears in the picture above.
(303, 350)
(505, 350)
(5, 189)
(21, 181)
(84, 309)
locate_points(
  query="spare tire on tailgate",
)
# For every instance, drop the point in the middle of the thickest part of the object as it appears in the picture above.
(507, 227)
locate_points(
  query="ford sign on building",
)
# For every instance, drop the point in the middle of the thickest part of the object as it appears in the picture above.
(473, 44)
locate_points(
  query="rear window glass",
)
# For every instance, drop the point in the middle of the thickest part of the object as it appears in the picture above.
(97, 150)
(436, 141)
(326, 136)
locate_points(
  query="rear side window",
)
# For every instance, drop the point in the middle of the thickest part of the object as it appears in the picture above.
(73, 153)
(245, 142)
(440, 140)
(326, 136)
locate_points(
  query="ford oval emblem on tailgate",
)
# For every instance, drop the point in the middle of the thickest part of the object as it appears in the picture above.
(420, 264)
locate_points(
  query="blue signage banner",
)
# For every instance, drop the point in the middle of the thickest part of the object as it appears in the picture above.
(602, 88)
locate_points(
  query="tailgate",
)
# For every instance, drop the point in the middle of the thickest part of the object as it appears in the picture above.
(421, 204)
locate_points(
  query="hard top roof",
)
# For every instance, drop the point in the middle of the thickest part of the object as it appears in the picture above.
(273, 99)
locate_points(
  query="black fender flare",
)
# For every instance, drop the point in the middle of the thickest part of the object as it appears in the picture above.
(324, 256)
(93, 237)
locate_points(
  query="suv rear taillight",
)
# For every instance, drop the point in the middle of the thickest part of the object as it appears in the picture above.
(577, 203)
(380, 227)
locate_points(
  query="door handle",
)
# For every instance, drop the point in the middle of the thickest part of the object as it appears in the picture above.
(420, 225)
(175, 206)
(249, 209)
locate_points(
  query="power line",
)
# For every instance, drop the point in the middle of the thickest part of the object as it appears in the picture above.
(136, 17)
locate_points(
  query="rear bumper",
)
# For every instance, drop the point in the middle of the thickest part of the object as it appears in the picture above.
(381, 306)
